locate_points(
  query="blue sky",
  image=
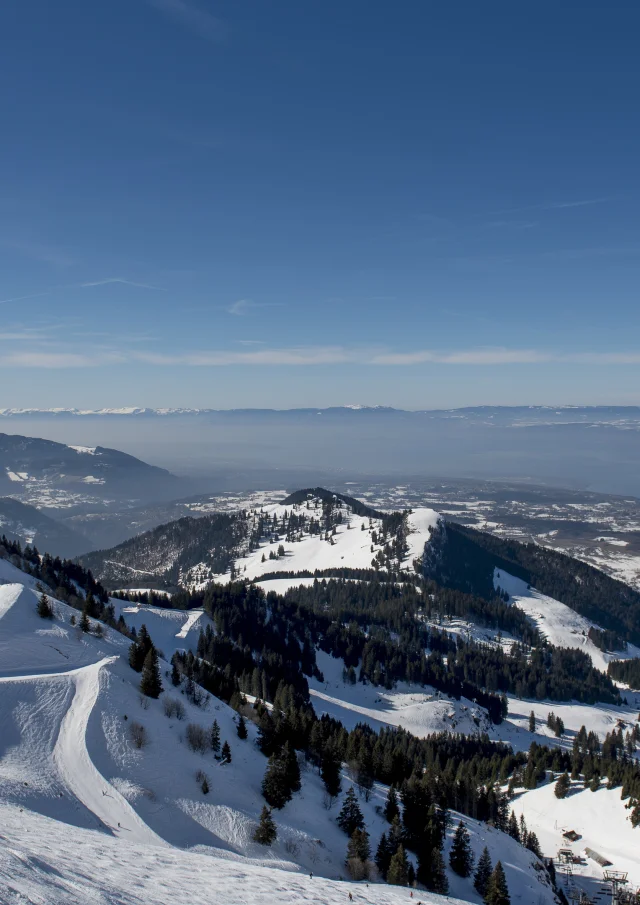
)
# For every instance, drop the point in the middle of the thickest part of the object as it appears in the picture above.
(286, 204)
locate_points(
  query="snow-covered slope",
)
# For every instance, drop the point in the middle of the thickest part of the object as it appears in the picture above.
(598, 817)
(561, 625)
(87, 816)
(351, 547)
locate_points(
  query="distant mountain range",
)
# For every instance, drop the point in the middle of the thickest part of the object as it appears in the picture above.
(519, 414)
(55, 476)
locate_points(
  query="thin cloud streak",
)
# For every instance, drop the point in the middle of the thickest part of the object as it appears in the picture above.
(309, 356)
(199, 21)
(87, 285)
(243, 306)
(553, 206)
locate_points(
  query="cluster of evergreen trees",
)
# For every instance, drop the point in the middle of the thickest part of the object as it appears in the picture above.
(592, 763)
(627, 671)
(143, 657)
(465, 558)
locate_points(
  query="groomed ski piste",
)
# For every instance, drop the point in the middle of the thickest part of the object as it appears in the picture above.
(87, 817)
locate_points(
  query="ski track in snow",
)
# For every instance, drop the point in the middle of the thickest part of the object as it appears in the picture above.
(76, 768)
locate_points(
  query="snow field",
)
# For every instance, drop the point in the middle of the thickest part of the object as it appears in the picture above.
(561, 625)
(351, 548)
(66, 731)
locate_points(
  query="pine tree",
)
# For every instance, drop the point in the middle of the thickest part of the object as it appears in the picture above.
(275, 785)
(84, 623)
(205, 785)
(150, 682)
(225, 755)
(532, 722)
(439, 882)
(266, 832)
(512, 827)
(350, 817)
(292, 767)
(398, 874)
(497, 892)
(176, 678)
(533, 844)
(461, 858)
(358, 853)
(330, 772)
(383, 856)
(562, 786)
(214, 738)
(44, 608)
(391, 807)
(483, 873)
(139, 649)
(242, 728)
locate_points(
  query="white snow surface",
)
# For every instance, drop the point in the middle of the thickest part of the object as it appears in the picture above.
(350, 549)
(87, 817)
(599, 817)
(560, 624)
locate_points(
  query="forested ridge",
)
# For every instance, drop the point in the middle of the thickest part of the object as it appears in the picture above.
(464, 558)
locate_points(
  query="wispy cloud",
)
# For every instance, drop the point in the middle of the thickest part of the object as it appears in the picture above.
(58, 360)
(297, 356)
(552, 206)
(50, 290)
(199, 21)
(124, 282)
(244, 306)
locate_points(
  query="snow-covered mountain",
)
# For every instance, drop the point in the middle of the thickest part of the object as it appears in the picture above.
(55, 476)
(19, 521)
(310, 531)
(88, 814)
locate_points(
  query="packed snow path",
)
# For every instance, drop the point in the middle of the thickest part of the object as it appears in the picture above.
(76, 768)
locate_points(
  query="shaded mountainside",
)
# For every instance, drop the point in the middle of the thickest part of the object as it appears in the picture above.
(465, 559)
(28, 525)
(32, 468)
(164, 557)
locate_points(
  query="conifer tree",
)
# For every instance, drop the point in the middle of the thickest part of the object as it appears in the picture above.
(84, 623)
(139, 649)
(205, 785)
(350, 817)
(398, 874)
(383, 856)
(512, 827)
(391, 808)
(242, 728)
(483, 873)
(532, 722)
(44, 608)
(176, 678)
(150, 682)
(266, 831)
(292, 767)
(275, 785)
(497, 892)
(214, 738)
(461, 858)
(330, 772)
(439, 882)
(533, 844)
(358, 853)
(225, 754)
(562, 786)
